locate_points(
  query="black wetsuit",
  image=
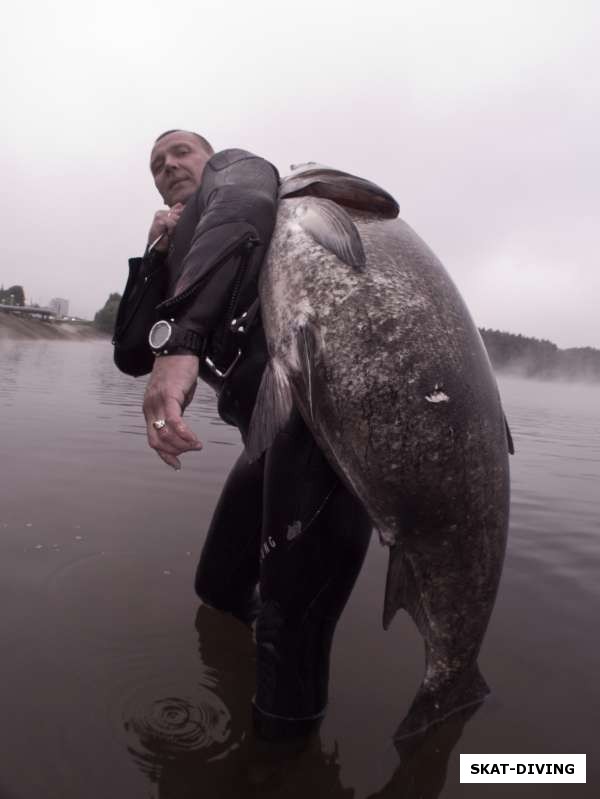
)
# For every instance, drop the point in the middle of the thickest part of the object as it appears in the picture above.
(285, 521)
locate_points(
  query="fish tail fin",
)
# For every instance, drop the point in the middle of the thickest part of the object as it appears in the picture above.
(452, 615)
(432, 706)
(272, 409)
(446, 689)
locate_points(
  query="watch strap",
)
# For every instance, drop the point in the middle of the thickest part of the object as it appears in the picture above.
(167, 350)
(190, 341)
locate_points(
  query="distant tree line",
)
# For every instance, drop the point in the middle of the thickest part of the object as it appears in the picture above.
(106, 317)
(15, 295)
(532, 357)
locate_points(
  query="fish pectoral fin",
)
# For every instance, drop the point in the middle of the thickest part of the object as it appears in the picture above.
(308, 350)
(332, 228)
(509, 438)
(272, 410)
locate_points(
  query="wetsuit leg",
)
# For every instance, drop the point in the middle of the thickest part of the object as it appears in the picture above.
(228, 570)
(314, 540)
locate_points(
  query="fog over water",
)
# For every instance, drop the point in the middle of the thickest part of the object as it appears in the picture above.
(482, 118)
(113, 684)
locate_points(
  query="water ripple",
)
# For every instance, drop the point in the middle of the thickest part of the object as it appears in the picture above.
(170, 728)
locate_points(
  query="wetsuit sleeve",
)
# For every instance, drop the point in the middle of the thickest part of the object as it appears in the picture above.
(237, 205)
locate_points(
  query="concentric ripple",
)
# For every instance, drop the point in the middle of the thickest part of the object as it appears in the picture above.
(174, 727)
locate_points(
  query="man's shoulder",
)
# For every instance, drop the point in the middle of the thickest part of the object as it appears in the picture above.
(236, 166)
(225, 158)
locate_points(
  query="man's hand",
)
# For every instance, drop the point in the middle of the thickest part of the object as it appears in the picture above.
(169, 391)
(163, 225)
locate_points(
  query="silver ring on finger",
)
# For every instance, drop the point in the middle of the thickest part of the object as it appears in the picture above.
(159, 424)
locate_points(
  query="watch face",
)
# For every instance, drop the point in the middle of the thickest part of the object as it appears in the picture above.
(159, 335)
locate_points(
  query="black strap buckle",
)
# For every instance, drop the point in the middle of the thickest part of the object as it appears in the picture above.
(242, 324)
(238, 325)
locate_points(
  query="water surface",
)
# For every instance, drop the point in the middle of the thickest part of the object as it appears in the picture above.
(113, 684)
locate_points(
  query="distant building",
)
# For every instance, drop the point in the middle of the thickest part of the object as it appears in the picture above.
(60, 307)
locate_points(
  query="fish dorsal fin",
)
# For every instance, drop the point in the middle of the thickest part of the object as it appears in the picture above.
(315, 180)
(331, 227)
(272, 409)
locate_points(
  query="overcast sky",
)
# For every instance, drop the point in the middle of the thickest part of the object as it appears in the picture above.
(482, 118)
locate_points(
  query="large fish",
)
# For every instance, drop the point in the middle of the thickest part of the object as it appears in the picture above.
(370, 338)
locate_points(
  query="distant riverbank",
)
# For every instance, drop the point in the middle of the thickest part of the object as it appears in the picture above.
(509, 353)
(541, 359)
(19, 327)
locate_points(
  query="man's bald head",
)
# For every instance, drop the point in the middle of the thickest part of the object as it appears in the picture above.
(205, 143)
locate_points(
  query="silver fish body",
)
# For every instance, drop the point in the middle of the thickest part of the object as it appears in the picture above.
(383, 360)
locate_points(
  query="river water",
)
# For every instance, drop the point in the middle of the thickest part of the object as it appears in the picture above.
(113, 684)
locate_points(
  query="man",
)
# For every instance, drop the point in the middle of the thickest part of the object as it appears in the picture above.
(234, 211)
(284, 521)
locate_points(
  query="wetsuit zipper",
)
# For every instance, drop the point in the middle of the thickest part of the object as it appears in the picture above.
(235, 293)
(237, 286)
(249, 238)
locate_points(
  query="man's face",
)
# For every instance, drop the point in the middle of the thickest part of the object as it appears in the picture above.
(177, 162)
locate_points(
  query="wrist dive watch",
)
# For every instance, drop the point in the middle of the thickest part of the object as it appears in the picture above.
(168, 338)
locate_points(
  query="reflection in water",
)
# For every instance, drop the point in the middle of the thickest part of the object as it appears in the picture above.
(424, 759)
(23, 366)
(206, 746)
(9, 369)
(190, 739)
(259, 770)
